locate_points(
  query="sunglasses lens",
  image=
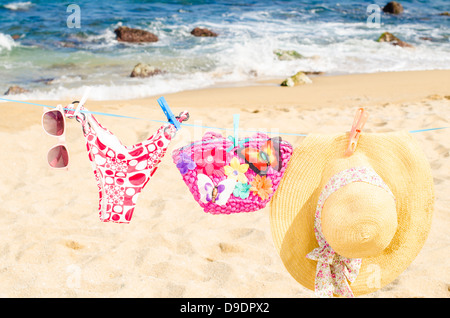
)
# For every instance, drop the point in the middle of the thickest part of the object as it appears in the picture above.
(58, 157)
(53, 123)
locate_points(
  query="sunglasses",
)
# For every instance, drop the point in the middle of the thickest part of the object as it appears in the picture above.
(54, 124)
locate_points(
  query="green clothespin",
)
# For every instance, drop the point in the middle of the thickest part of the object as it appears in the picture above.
(235, 137)
(236, 129)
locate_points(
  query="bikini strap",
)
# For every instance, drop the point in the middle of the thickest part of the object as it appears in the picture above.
(71, 112)
(170, 130)
(184, 116)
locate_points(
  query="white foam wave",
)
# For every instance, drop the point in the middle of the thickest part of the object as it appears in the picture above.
(246, 62)
(105, 39)
(19, 6)
(6, 42)
(131, 88)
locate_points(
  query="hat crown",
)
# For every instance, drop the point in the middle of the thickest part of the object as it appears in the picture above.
(359, 220)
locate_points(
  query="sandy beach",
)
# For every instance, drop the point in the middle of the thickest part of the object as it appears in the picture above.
(52, 243)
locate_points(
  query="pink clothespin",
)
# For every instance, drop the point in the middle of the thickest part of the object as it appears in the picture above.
(358, 124)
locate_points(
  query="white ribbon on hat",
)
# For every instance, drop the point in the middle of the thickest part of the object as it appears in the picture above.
(333, 271)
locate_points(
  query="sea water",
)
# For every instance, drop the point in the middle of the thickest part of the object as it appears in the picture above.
(54, 60)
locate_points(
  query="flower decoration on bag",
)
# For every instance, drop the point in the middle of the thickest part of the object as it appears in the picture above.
(241, 190)
(211, 162)
(261, 186)
(236, 170)
(185, 163)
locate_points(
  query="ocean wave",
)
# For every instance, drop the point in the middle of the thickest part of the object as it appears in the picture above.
(6, 42)
(18, 6)
(329, 41)
(105, 39)
(243, 63)
(129, 88)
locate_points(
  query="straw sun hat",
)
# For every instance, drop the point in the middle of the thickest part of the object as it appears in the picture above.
(349, 225)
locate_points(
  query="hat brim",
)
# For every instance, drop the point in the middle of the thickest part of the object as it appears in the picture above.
(400, 162)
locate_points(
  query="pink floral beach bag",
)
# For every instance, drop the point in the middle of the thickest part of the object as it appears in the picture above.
(225, 178)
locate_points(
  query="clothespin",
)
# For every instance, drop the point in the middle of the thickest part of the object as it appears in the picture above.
(166, 109)
(235, 137)
(236, 129)
(358, 124)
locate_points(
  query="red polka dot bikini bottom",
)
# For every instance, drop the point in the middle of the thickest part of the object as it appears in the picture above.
(122, 171)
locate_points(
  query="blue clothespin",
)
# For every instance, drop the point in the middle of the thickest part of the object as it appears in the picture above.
(170, 116)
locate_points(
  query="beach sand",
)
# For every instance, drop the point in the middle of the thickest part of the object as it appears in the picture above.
(52, 243)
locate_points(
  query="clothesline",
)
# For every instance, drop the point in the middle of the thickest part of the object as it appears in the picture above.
(191, 125)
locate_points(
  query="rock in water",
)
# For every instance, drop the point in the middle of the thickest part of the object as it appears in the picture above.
(144, 70)
(13, 90)
(203, 32)
(393, 7)
(445, 13)
(298, 79)
(287, 55)
(389, 37)
(126, 34)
